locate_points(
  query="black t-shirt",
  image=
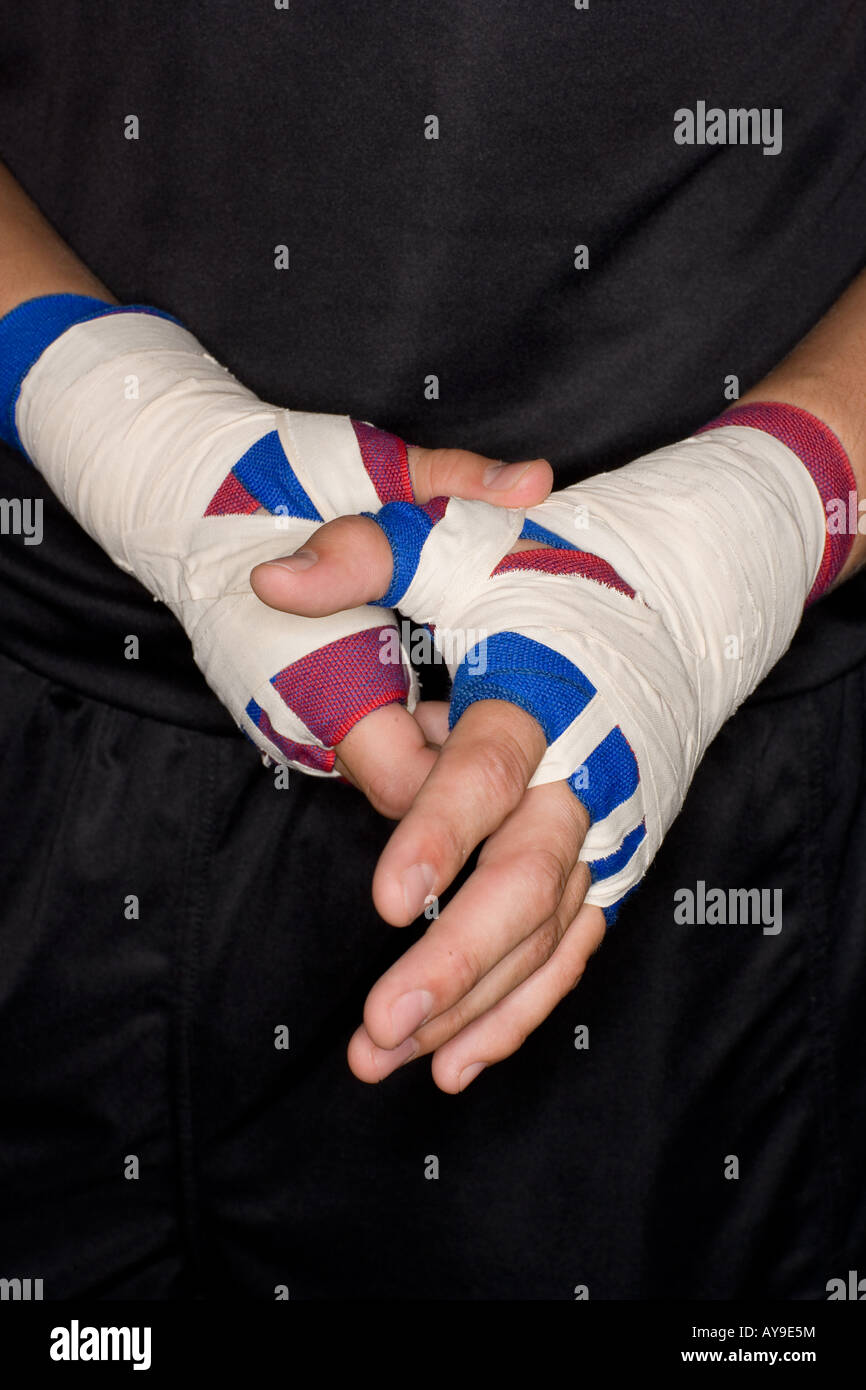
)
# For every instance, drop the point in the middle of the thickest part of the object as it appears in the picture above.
(412, 257)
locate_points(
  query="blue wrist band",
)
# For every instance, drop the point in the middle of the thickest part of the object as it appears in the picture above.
(28, 329)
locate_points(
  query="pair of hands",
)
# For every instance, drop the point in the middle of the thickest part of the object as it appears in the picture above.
(516, 937)
(180, 483)
(607, 668)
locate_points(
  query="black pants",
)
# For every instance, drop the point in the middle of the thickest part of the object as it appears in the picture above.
(156, 1142)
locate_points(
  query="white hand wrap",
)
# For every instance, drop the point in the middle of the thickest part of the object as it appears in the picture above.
(673, 586)
(187, 480)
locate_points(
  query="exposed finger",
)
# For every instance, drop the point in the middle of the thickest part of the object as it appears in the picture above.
(499, 1032)
(461, 473)
(480, 776)
(432, 715)
(522, 874)
(372, 1063)
(386, 755)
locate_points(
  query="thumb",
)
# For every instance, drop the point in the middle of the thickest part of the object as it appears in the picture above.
(345, 563)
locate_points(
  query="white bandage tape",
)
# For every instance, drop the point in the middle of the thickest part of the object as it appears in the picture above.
(720, 537)
(137, 428)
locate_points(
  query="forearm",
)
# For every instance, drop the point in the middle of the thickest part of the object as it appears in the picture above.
(826, 375)
(34, 259)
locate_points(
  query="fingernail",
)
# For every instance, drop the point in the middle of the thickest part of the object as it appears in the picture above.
(417, 883)
(301, 560)
(468, 1075)
(500, 476)
(409, 1012)
(397, 1057)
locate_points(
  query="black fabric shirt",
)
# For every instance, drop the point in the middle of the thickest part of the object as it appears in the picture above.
(562, 1168)
(454, 257)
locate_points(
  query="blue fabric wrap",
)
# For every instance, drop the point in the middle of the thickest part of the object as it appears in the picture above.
(255, 713)
(604, 868)
(608, 777)
(406, 528)
(267, 475)
(548, 686)
(28, 329)
(526, 673)
(534, 677)
(611, 913)
(533, 532)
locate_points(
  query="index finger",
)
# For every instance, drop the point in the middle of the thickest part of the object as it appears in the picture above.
(479, 777)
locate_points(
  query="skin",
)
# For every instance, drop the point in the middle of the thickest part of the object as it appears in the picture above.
(517, 936)
(387, 755)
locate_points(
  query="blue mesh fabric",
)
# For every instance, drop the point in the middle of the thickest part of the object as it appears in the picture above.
(268, 476)
(609, 776)
(407, 528)
(526, 673)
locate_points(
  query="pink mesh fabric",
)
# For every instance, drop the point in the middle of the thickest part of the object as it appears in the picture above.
(335, 686)
(435, 508)
(232, 498)
(385, 460)
(823, 456)
(307, 754)
(566, 562)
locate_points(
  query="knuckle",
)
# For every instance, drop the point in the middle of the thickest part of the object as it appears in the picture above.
(340, 529)
(462, 968)
(535, 953)
(392, 807)
(444, 468)
(546, 876)
(541, 945)
(443, 842)
(501, 771)
(387, 794)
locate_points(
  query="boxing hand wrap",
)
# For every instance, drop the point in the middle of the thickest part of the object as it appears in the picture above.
(669, 589)
(188, 480)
